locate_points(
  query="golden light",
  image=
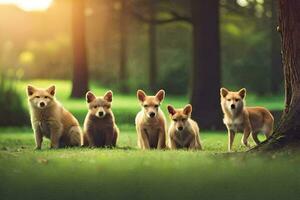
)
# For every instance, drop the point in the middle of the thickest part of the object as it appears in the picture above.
(29, 5)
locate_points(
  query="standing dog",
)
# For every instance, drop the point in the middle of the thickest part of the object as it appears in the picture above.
(100, 129)
(183, 131)
(239, 118)
(50, 119)
(150, 121)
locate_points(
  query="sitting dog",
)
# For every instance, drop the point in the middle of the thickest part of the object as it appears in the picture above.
(51, 120)
(150, 121)
(183, 131)
(239, 118)
(100, 129)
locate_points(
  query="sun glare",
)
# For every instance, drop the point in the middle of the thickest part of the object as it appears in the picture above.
(29, 5)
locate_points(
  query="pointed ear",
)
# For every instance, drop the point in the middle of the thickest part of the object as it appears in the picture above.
(108, 96)
(187, 110)
(141, 95)
(242, 92)
(90, 97)
(160, 95)
(223, 92)
(30, 90)
(51, 90)
(171, 110)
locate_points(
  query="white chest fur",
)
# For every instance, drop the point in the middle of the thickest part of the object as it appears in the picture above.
(234, 124)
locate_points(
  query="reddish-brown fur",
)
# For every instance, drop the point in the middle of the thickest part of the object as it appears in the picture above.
(100, 131)
(52, 120)
(183, 131)
(249, 120)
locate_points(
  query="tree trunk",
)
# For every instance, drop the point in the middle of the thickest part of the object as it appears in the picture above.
(123, 47)
(276, 64)
(80, 69)
(206, 72)
(152, 49)
(287, 134)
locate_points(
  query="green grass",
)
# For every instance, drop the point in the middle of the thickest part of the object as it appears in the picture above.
(129, 173)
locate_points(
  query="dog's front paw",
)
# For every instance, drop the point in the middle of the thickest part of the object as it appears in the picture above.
(37, 148)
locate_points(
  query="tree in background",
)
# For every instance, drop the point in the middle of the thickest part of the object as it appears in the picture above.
(80, 69)
(206, 72)
(287, 134)
(123, 46)
(276, 63)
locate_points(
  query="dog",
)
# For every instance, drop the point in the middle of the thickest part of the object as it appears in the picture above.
(51, 120)
(183, 131)
(100, 129)
(150, 121)
(239, 118)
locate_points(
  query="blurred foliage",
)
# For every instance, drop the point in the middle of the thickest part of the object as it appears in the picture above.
(43, 48)
(12, 111)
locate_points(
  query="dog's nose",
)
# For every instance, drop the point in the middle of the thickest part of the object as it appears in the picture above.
(180, 128)
(101, 113)
(42, 104)
(152, 114)
(232, 106)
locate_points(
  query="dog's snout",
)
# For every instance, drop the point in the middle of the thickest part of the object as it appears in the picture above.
(42, 104)
(101, 113)
(180, 128)
(232, 106)
(152, 114)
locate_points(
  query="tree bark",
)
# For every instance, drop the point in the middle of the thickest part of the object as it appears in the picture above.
(276, 63)
(123, 47)
(152, 49)
(206, 72)
(287, 134)
(80, 66)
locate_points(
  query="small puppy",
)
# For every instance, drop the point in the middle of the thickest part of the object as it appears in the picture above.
(239, 118)
(150, 121)
(100, 129)
(50, 119)
(183, 131)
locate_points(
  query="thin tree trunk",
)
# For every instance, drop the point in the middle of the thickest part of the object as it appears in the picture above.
(152, 49)
(80, 69)
(206, 72)
(287, 133)
(123, 47)
(276, 64)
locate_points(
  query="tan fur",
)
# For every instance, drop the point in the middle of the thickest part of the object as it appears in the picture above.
(52, 120)
(183, 131)
(151, 131)
(249, 120)
(100, 130)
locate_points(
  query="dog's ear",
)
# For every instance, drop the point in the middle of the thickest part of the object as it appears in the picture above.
(90, 97)
(160, 95)
(242, 92)
(108, 96)
(187, 110)
(223, 92)
(51, 90)
(171, 110)
(30, 90)
(141, 95)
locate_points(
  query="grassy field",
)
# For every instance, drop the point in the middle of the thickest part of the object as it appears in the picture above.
(129, 173)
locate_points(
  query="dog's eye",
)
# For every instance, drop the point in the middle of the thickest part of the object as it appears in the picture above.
(156, 106)
(184, 120)
(46, 97)
(95, 106)
(37, 97)
(145, 106)
(237, 100)
(228, 99)
(175, 120)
